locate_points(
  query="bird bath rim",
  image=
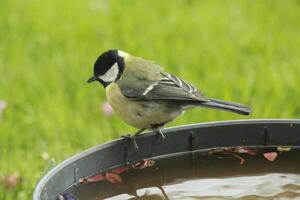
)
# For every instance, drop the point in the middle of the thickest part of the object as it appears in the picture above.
(263, 130)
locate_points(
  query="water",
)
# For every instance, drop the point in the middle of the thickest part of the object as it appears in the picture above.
(205, 175)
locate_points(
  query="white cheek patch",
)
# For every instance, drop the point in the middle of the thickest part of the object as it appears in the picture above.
(111, 75)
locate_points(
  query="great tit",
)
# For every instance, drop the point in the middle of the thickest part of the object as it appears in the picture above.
(145, 96)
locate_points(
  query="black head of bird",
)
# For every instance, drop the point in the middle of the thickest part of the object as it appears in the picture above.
(108, 67)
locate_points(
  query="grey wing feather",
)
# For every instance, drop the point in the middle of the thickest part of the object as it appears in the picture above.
(168, 87)
(182, 85)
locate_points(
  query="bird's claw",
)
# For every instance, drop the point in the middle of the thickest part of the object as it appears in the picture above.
(132, 140)
(160, 135)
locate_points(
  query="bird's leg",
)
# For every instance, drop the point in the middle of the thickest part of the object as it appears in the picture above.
(157, 129)
(132, 138)
(160, 134)
(139, 131)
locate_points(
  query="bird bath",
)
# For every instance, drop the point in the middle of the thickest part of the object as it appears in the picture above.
(249, 159)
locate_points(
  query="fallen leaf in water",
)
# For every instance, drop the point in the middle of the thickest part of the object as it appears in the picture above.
(113, 178)
(283, 148)
(245, 150)
(95, 178)
(12, 180)
(121, 169)
(143, 164)
(109, 176)
(230, 151)
(271, 156)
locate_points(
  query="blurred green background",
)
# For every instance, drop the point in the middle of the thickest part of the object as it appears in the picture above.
(245, 51)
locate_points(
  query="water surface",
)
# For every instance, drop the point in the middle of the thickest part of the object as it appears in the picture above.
(210, 175)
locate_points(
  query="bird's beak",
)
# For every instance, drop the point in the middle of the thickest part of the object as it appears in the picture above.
(92, 79)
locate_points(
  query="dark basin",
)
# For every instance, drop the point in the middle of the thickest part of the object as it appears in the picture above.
(182, 145)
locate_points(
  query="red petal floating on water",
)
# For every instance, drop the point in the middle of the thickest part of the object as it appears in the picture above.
(143, 164)
(140, 165)
(95, 178)
(120, 170)
(271, 156)
(113, 178)
(245, 150)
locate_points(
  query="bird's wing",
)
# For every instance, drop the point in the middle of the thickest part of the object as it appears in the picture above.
(167, 87)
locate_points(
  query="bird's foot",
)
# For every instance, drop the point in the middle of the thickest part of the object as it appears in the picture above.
(132, 140)
(160, 135)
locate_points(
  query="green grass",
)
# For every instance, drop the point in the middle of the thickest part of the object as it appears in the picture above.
(245, 51)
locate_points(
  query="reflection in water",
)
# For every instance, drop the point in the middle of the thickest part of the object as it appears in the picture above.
(252, 187)
(270, 186)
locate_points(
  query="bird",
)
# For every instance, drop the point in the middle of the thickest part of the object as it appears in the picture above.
(145, 96)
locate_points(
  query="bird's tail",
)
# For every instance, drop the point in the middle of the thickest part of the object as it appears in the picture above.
(228, 106)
